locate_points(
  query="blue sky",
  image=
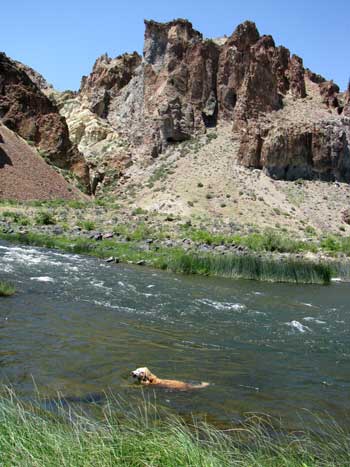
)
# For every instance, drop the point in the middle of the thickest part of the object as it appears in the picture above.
(62, 39)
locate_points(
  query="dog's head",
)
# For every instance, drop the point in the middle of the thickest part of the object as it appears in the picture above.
(143, 375)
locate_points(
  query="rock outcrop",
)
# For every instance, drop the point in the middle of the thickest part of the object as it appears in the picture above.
(300, 151)
(27, 111)
(288, 121)
(108, 77)
(347, 102)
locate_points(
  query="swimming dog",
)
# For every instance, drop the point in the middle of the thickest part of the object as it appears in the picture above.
(144, 376)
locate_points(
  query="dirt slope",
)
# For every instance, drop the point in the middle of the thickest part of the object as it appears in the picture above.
(203, 181)
(24, 175)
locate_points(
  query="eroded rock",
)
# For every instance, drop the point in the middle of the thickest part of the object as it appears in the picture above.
(28, 112)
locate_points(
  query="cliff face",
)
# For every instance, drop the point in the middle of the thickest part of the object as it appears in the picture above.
(288, 121)
(27, 111)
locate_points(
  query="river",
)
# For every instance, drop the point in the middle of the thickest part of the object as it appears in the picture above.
(78, 326)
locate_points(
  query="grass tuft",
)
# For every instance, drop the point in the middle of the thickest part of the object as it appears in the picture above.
(6, 290)
(87, 225)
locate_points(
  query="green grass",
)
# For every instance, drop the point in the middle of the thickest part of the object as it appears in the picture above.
(270, 241)
(175, 259)
(6, 290)
(254, 267)
(335, 244)
(159, 174)
(144, 436)
(16, 217)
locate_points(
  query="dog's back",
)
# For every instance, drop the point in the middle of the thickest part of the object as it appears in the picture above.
(144, 376)
(178, 385)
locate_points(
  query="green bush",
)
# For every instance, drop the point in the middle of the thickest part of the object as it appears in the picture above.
(87, 225)
(44, 218)
(139, 212)
(336, 244)
(16, 217)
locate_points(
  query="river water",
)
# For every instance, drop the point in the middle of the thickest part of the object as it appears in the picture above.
(78, 326)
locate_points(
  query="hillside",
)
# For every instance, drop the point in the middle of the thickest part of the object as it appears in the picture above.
(24, 175)
(28, 112)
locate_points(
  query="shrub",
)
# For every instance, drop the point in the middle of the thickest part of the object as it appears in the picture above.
(309, 230)
(16, 217)
(44, 218)
(212, 136)
(87, 225)
(139, 212)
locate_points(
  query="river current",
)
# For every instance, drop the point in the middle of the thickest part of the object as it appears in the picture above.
(78, 326)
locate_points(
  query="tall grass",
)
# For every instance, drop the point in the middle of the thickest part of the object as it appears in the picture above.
(142, 436)
(254, 267)
(6, 290)
(340, 269)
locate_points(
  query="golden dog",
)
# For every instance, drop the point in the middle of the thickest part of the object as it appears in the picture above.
(146, 377)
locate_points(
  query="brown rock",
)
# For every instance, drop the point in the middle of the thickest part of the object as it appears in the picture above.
(329, 92)
(254, 75)
(186, 83)
(346, 110)
(346, 216)
(179, 79)
(314, 77)
(296, 77)
(314, 151)
(28, 112)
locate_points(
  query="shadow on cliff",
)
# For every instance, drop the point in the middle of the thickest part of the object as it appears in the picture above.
(4, 159)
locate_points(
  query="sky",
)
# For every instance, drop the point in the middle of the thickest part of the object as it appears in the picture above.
(62, 39)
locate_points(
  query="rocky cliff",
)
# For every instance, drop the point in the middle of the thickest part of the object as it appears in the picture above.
(288, 121)
(27, 111)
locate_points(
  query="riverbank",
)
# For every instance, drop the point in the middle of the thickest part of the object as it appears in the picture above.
(31, 435)
(103, 229)
(243, 266)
